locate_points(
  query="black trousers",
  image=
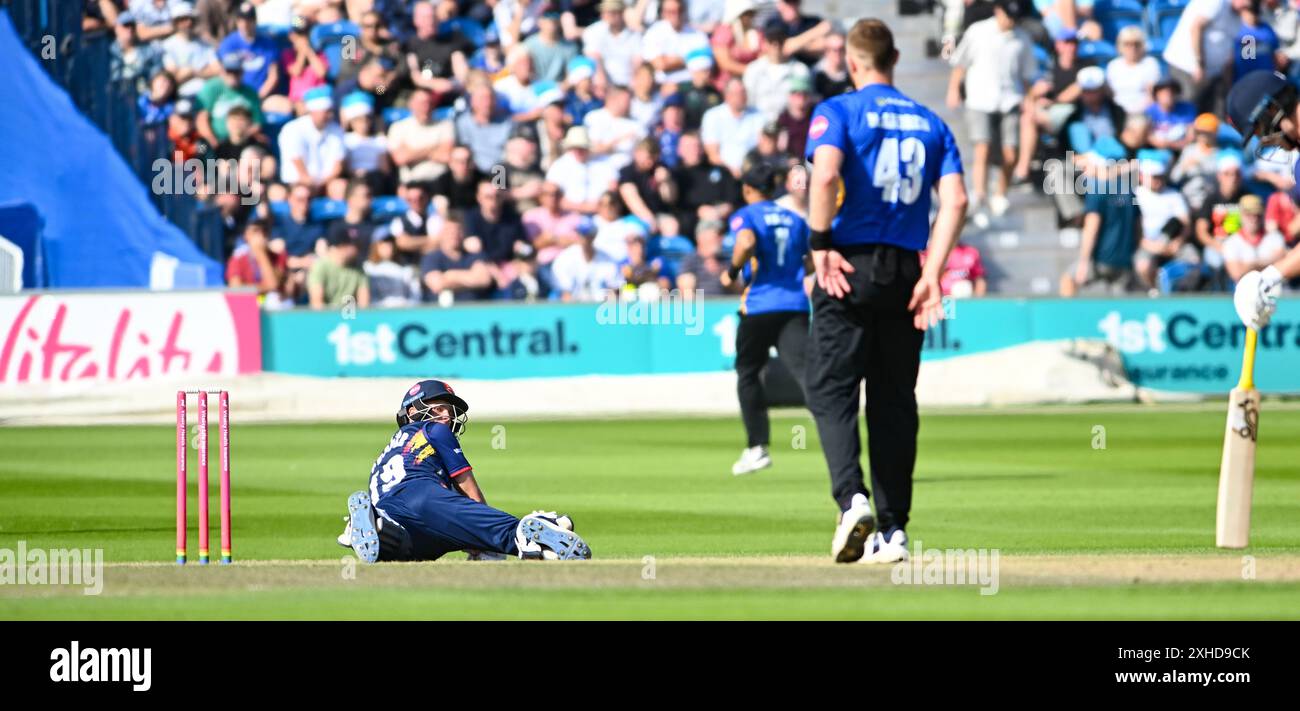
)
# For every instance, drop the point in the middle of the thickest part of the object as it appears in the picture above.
(788, 331)
(868, 335)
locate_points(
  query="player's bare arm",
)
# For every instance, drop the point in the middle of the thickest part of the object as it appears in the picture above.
(927, 298)
(829, 264)
(741, 253)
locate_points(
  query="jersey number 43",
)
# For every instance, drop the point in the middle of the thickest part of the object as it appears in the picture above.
(899, 165)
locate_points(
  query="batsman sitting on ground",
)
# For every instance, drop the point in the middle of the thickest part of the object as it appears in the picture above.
(772, 248)
(877, 155)
(424, 501)
(1263, 104)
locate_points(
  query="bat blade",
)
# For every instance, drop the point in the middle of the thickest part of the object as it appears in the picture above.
(1237, 470)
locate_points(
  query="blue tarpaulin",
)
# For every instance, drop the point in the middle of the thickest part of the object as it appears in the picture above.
(100, 227)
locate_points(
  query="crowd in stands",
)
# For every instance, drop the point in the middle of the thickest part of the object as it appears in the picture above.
(403, 151)
(1129, 94)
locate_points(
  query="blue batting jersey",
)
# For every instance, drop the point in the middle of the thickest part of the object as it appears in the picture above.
(781, 241)
(895, 150)
(419, 450)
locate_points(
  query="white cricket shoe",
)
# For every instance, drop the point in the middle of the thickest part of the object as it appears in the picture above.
(853, 531)
(751, 460)
(345, 538)
(998, 205)
(882, 550)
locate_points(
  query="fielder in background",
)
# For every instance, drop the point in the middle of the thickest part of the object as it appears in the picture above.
(772, 252)
(1263, 105)
(876, 157)
(424, 501)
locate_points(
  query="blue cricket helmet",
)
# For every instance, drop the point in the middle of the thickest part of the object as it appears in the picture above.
(430, 391)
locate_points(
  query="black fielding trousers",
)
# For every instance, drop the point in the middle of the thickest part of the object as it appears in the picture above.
(757, 333)
(868, 335)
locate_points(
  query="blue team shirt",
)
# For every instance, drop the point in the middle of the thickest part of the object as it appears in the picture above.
(1266, 44)
(418, 451)
(780, 245)
(895, 151)
(257, 55)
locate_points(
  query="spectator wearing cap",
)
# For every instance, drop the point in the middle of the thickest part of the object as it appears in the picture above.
(1197, 163)
(153, 18)
(612, 130)
(222, 93)
(646, 185)
(1051, 99)
(456, 189)
(550, 227)
(1252, 246)
(767, 78)
(699, 94)
(1220, 215)
(312, 149)
(1201, 49)
(258, 52)
(129, 59)
(583, 273)
(550, 51)
(646, 102)
(731, 129)
(1096, 116)
(253, 263)
(433, 60)
(1132, 75)
(1111, 231)
(995, 63)
(737, 41)
(182, 131)
(451, 273)
(705, 190)
(807, 33)
(615, 47)
(485, 127)
(796, 116)
(1166, 222)
(671, 127)
(188, 58)
(489, 58)
(156, 105)
(581, 179)
(367, 152)
(335, 280)
(668, 41)
(581, 98)
(1171, 118)
(702, 270)
(420, 145)
(831, 72)
(305, 67)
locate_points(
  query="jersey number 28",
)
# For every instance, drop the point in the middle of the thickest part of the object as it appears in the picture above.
(898, 170)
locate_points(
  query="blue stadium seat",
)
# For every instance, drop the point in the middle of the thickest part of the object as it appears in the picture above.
(386, 207)
(1098, 51)
(468, 28)
(329, 38)
(325, 209)
(444, 113)
(1228, 136)
(672, 250)
(279, 209)
(1116, 17)
(395, 113)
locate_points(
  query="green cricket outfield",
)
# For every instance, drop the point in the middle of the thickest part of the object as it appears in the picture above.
(1093, 512)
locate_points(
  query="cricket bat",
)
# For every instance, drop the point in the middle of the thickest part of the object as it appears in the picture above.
(1237, 470)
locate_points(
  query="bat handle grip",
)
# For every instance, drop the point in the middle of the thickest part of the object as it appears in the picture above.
(1247, 380)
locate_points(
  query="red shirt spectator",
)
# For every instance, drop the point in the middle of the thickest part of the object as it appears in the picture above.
(964, 266)
(1280, 216)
